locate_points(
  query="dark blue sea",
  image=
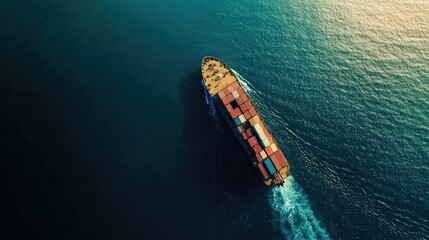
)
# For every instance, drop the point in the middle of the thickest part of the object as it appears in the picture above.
(105, 132)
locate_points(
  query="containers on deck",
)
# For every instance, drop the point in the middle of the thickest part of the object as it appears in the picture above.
(250, 126)
(252, 132)
(269, 165)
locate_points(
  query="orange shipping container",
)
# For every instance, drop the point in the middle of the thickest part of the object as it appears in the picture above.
(281, 158)
(243, 107)
(245, 97)
(240, 100)
(276, 163)
(235, 85)
(274, 157)
(249, 105)
(221, 94)
(255, 120)
(247, 115)
(241, 91)
(269, 150)
(252, 111)
(229, 107)
(230, 88)
(225, 101)
(226, 91)
(230, 97)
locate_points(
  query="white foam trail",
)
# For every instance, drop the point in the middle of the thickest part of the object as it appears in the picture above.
(290, 205)
(212, 110)
(292, 210)
(246, 84)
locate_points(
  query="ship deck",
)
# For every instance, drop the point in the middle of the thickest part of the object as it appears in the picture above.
(245, 122)
(216, 75)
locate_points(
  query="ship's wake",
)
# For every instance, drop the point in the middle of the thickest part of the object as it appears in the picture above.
(290, 205)
(292, 211)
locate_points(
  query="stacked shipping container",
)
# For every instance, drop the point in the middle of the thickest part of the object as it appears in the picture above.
(251, 130)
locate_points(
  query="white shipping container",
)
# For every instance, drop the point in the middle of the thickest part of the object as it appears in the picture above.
(242, 118)
(259, 131)
(261, 135)
(274, 147)
(263, 154)
(235, 94)
(265, 143)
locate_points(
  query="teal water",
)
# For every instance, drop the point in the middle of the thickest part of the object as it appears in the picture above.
(105, 133)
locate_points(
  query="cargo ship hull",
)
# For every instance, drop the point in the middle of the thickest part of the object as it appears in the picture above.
(234, 104)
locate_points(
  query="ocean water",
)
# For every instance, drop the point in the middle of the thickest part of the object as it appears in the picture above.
(291, 209)
(106, 132)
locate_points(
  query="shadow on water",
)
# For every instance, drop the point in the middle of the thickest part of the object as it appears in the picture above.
(234, 199)
(211, 145)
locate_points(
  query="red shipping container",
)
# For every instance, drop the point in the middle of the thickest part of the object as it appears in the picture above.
(258, 156)
(257, 148)
(233, 114)
(262, 171)
(229, 107)
(276, 163)
(245, 97)
(245, 136)
(252, 111)
(235, 85)
(247, 115)
(240, 100)
(249, 132)
(269, 150)
(225, 101)
(221, 94)
(243, 107)
(252, 141)
(237, 112)
(249, 105)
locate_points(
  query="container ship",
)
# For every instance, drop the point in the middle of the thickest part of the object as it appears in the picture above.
(234, 104)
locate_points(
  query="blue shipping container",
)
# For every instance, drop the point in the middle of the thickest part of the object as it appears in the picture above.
(237, 121)
(269, 165)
